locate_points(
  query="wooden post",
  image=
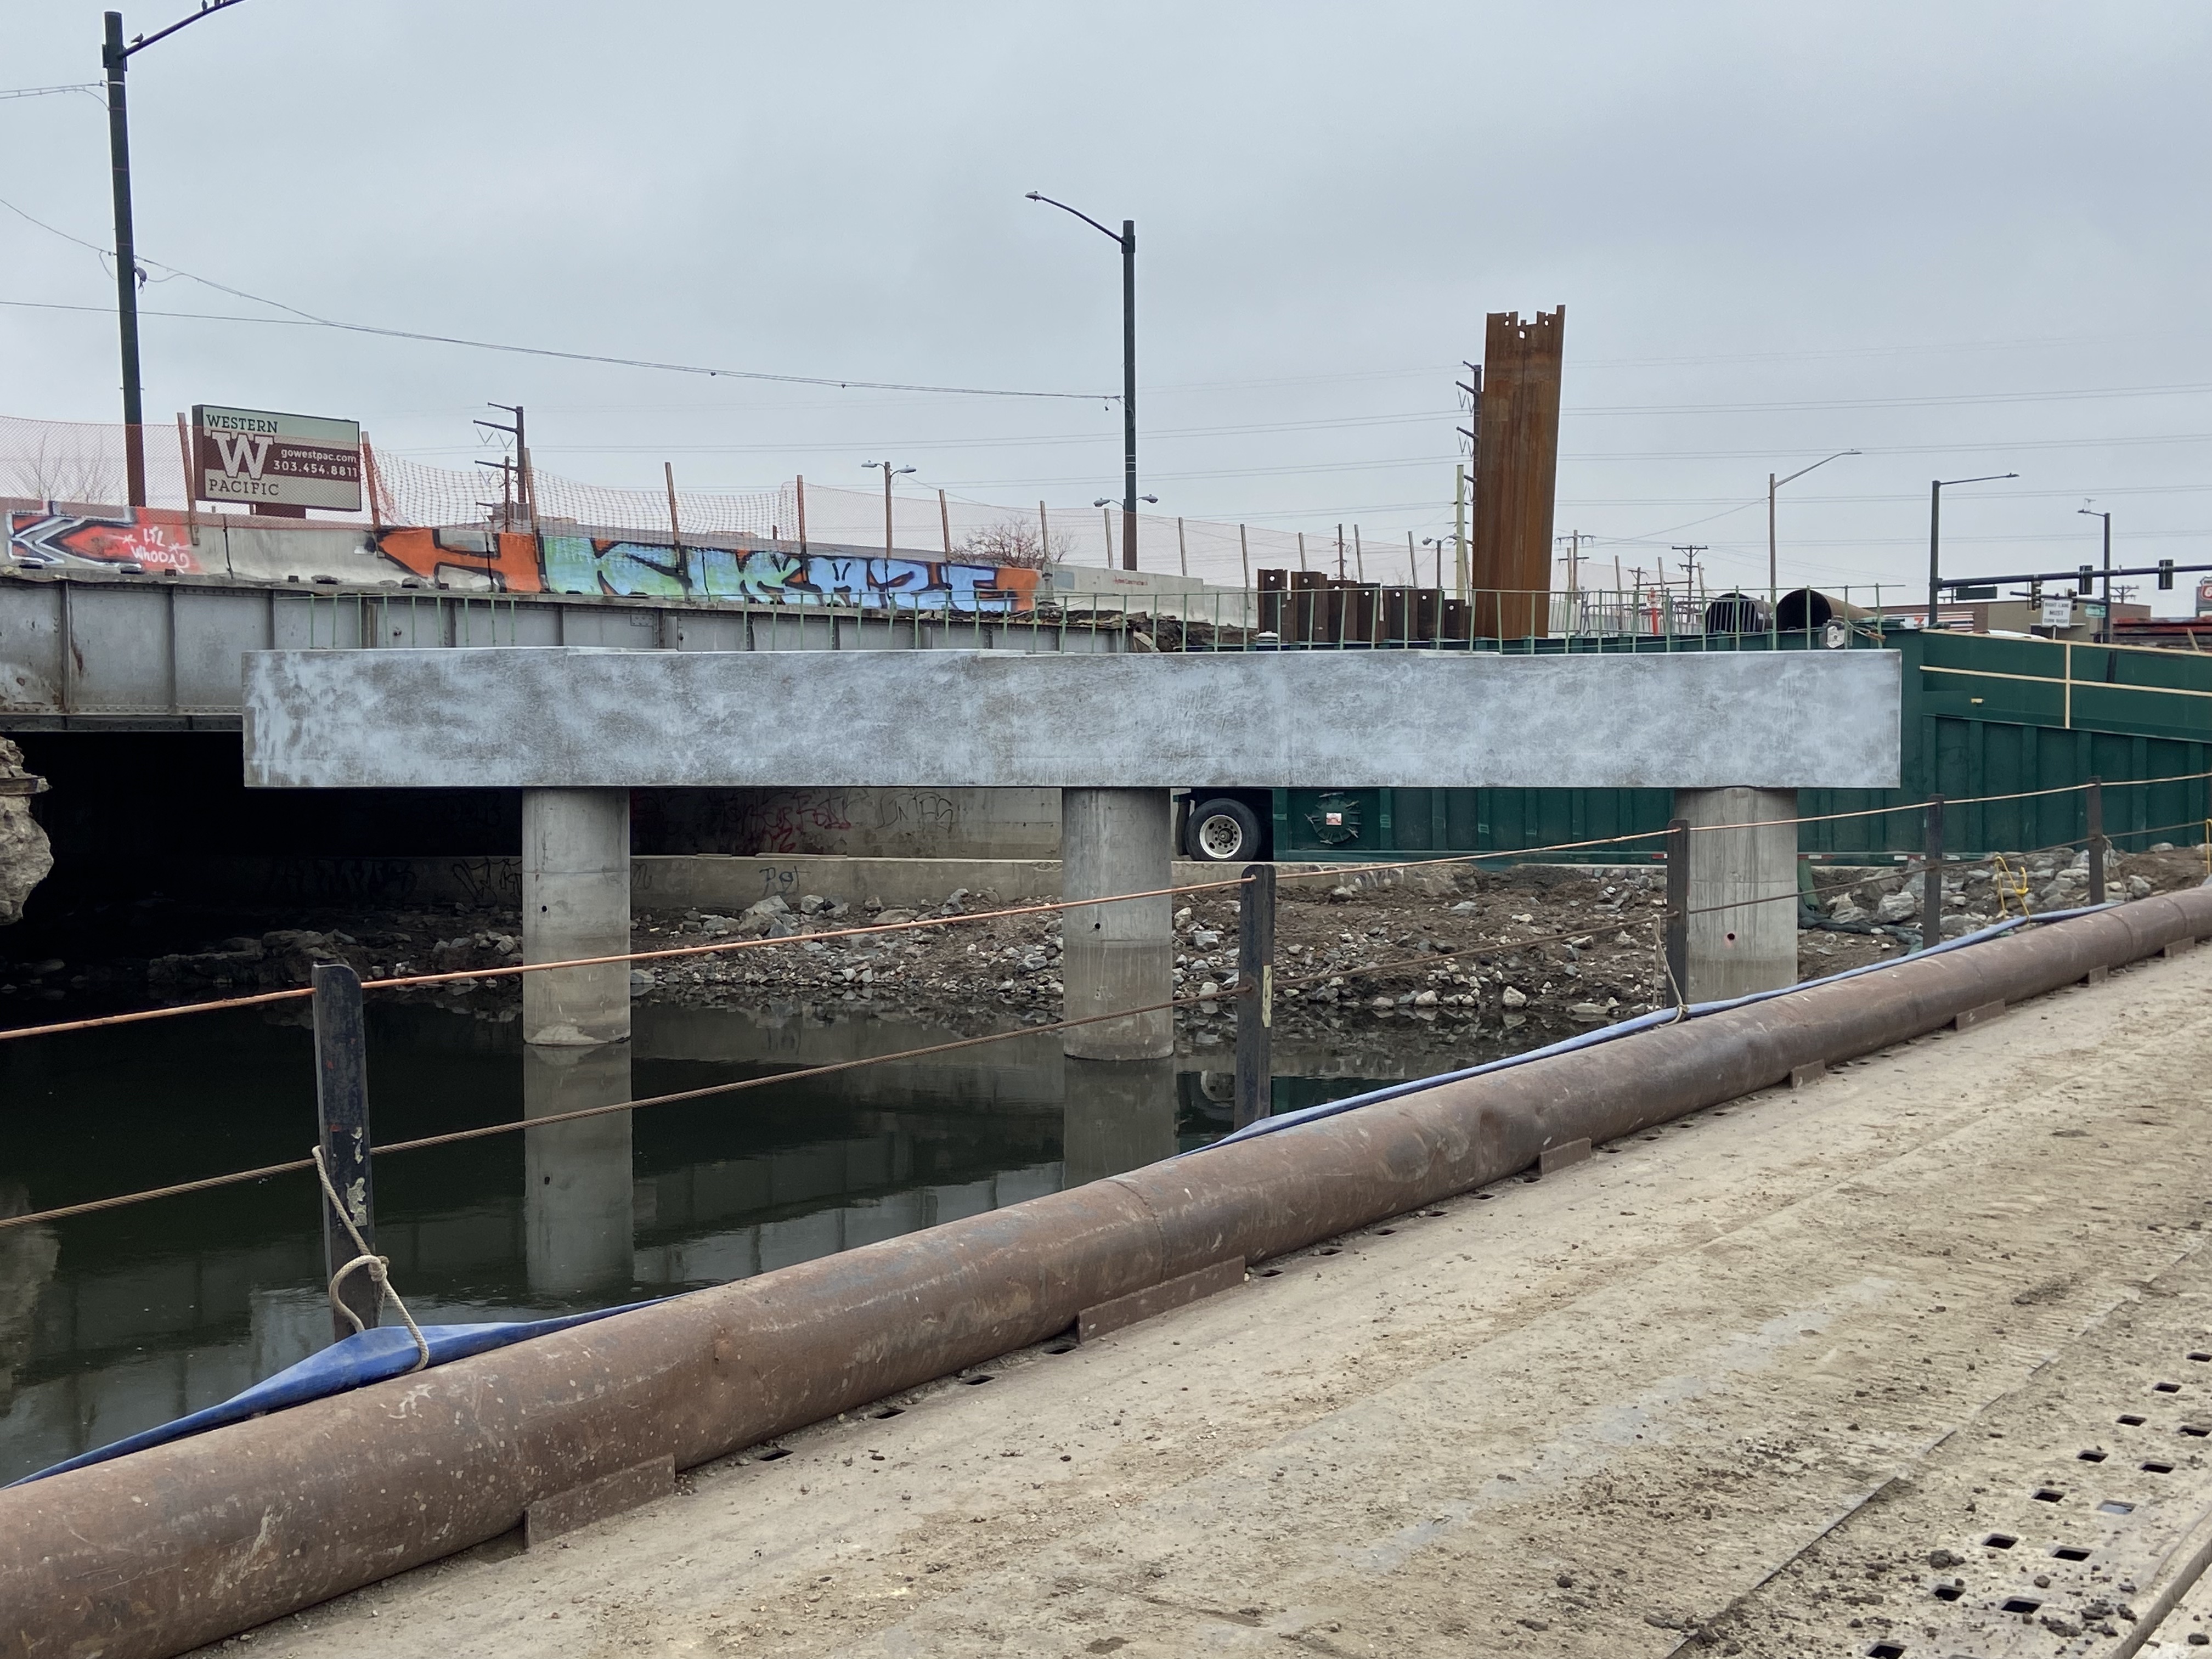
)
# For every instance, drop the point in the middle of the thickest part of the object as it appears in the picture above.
(1678, 910)
(802, 512)
(342, 1113)
(1255, 995)
(944, 520)
(675, 521)
(184, 451)
(1044, 535)
(1931, 879)
(1182, 552)
(372, 483)
(2096, 808)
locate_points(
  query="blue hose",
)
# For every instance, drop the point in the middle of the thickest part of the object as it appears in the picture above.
(1267, 1125)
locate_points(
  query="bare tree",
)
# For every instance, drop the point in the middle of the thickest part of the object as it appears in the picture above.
(58, 471)
(1013, 542)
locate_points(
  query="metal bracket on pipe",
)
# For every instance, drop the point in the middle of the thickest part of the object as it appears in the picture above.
(1552, 1159)
(1163, 1298)
(595, 1500)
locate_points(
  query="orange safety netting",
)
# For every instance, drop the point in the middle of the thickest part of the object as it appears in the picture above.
(80, 463)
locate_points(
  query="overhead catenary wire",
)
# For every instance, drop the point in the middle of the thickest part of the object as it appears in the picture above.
(299, 319)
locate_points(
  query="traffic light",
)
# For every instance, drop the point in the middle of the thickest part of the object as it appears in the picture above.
(2082, 581)
(2164, 575)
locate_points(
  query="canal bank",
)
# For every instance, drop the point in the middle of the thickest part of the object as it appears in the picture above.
(1595, 1413)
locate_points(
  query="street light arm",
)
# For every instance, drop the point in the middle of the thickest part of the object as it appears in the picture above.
(1987, 477)
(208, 9)
(1803, 470)
(1033, 196)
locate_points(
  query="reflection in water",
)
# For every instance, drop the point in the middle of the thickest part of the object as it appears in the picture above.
(27, 1262)
(114, 1321)
(576, 1186)
(1116, 1115)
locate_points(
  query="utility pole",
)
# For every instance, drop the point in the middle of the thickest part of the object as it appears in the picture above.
(526, 480)
(2087, 511)
(1459, 532)
(115, 59)
(1935, 488)
(1467, 472)
(889, 473)
(1773, 483)
(1689, 553)
(1128, 239)
(1574, 557)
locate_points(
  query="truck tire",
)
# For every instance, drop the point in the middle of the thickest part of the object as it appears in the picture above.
(1222, 831)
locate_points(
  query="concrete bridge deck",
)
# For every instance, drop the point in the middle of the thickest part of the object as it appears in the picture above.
(1724, 1389)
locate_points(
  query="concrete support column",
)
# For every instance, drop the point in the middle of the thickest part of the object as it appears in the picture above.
(577, 1203)
(1737, 944)
(1116, 956)
(575, 903)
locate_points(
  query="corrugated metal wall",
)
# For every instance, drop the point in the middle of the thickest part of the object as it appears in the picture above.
(1981, 716)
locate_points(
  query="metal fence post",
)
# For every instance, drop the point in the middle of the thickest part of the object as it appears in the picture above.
(1678, 910)
(1255, 995)
(2096, 807)
(342, 1112)
(1931, 879)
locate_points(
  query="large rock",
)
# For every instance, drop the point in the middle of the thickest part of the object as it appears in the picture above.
(26, 856)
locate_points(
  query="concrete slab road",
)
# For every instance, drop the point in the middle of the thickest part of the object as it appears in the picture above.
(1728, 1387)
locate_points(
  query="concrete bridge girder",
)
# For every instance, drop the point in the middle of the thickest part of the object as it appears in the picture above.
(575, 729)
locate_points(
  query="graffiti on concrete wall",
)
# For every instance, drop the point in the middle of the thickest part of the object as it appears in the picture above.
(150, 539)
(631, 569)
(159, 542)
(504, 561)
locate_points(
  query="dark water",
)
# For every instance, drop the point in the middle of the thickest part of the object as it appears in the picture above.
(115, 1321)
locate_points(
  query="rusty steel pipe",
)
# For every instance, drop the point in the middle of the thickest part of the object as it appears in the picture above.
(164, 1549)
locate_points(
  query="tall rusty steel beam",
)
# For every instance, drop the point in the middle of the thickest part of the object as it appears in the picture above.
(1518, 473)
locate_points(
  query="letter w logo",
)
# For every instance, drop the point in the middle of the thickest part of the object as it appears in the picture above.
(240, 452)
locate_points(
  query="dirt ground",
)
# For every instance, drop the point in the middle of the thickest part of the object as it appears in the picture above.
(1762, 1383)
(1449, 957)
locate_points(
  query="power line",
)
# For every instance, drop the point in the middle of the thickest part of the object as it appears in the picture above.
(88, 86)
(299, 319)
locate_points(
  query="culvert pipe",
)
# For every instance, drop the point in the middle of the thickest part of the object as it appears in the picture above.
(1806, 610)
(161, 1551)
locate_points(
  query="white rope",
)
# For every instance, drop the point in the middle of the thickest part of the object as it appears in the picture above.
(380, 1270)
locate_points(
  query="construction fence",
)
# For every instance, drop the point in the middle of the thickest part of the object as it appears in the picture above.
(80, 465)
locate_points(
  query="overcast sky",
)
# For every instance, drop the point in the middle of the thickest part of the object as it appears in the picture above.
(1962, 238)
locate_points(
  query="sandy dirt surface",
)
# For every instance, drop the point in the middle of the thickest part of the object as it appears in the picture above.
(1728, 1387)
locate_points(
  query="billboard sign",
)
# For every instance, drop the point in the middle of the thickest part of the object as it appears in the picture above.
(258, 457)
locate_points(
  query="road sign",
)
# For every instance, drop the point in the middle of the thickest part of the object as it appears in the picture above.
(261, 459)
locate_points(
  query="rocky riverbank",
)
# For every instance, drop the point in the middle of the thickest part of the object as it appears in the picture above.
(1446, 953)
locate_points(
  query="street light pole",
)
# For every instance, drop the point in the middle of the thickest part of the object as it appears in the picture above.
(2105, 635)
(1935, 488)
(889, 473)
(1773, 587)
(115, 58)
(1127, 239)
